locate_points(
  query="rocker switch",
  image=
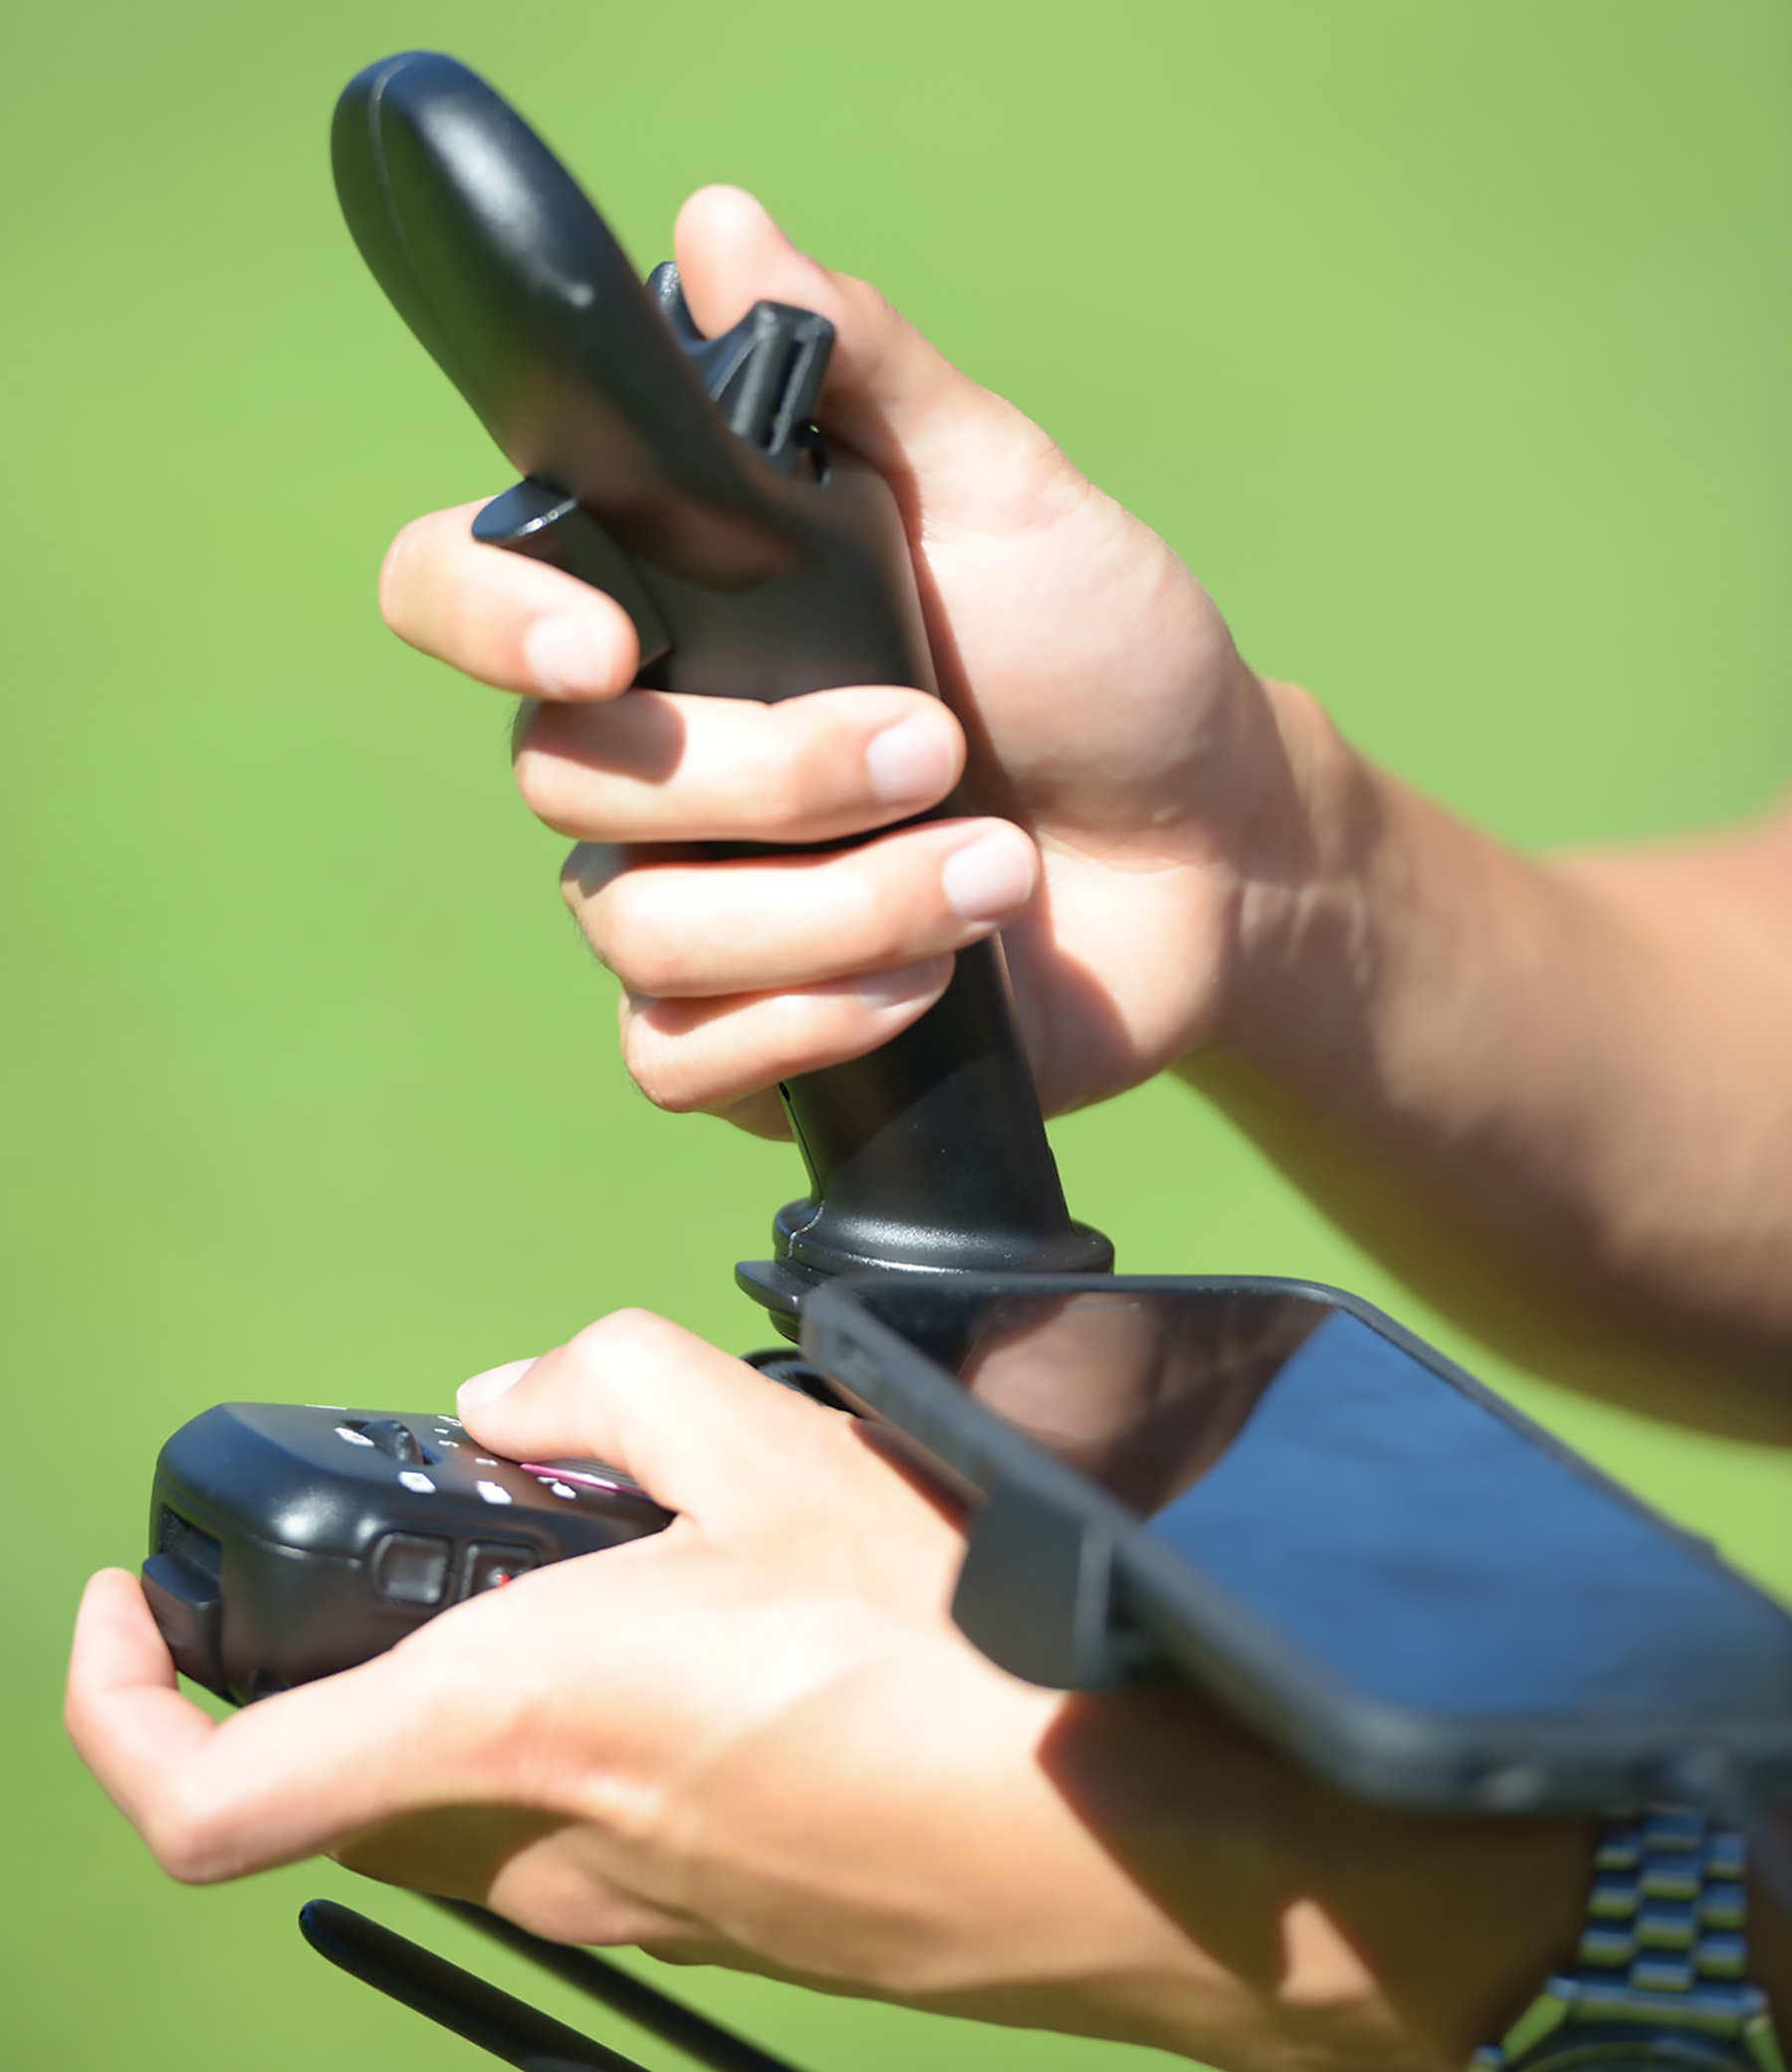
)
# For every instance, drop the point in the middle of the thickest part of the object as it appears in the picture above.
(394, 1437)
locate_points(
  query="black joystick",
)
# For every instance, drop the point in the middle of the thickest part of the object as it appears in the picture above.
(683, 475)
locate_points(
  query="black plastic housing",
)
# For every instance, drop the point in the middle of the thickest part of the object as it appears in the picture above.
(683, 475)
(289, 1542)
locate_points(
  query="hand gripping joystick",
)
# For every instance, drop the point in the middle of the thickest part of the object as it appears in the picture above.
(683, 476)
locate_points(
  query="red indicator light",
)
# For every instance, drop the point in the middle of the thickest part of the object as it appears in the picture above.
(491, 1566)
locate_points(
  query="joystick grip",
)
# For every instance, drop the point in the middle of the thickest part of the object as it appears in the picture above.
(681, 474)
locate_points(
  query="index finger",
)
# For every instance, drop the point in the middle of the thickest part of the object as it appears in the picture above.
(698, 1429)
(510, 622)
(285, 1778)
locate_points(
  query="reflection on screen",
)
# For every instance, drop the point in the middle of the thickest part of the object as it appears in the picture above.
(1384, 1520)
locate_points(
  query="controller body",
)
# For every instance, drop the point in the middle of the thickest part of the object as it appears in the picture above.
(289, 1542)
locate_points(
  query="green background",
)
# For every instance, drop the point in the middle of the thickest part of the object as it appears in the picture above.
(1449, 343)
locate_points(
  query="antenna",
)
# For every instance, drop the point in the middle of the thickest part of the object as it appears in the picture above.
(499, 2022)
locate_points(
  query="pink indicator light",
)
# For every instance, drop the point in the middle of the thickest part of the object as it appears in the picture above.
(619, 1484)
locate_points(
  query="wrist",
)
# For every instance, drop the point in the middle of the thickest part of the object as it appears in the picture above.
(1298, 1926)
(1305, 916)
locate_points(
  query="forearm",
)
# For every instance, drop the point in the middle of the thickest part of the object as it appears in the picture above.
(1350, 1937)
(1555, 1096)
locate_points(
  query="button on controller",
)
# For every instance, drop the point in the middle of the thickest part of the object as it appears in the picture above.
(410, 1567)
(490, 1564)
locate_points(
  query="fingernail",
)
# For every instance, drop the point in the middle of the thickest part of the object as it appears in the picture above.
(990, 878)
(569, 657)
(482, 1388)
(911, 762)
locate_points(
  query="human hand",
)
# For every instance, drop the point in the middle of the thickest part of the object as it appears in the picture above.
(1093, 699)
(758, 1739)
(755, 1736)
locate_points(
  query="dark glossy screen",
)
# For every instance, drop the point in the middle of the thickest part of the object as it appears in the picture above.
(1384, 1519)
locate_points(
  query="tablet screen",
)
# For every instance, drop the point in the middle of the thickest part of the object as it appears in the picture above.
(1386, 1522)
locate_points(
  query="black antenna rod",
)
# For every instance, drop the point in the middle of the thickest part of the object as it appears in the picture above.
(431, 1986)
(722, 2051)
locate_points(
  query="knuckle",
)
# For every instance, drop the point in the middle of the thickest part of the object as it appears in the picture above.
(543, 729)
(629, 941)
(650, 1062)
(586, 875)
(869, 913)
(617, 1330)
(825, 773)
(538, 779)
(804, 1032)
(618, 1354)
(574, 886)
(541, 724)
(806, 763)
(783, 787)
(632, 1806)
(867, 301)
(184, 1839)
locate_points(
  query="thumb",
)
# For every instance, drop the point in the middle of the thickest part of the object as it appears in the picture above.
(890, 394)
(700, 1431)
